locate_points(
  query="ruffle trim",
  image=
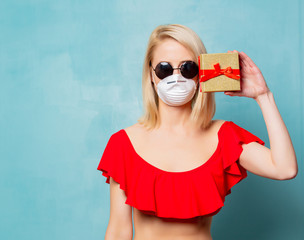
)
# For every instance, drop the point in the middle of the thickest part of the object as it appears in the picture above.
(232, 147)
(168, 196)
(180, 196)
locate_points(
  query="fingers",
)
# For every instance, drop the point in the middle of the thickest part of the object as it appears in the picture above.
(232, 94)
(248, 59)
(242, 57)
(242, 62)
(245, 60)
(232, 51)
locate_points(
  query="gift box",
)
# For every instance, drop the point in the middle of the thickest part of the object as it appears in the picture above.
(219, 72)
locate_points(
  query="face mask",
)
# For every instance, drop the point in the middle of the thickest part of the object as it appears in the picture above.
(175, 90)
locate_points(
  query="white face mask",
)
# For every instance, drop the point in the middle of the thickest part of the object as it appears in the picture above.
(175, 90)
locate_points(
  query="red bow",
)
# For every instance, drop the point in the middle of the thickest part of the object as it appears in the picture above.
(206, 74)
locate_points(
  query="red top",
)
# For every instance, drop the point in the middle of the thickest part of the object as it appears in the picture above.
(187, 194)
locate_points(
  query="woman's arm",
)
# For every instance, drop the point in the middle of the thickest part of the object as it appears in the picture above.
(279, 162)
(120, 224)
(282, 151)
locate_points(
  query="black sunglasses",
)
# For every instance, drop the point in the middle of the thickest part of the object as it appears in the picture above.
(188, 69)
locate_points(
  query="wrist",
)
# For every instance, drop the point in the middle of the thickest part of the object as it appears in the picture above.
(263, 97)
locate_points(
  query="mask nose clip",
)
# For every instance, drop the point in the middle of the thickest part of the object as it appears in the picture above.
(171, 82)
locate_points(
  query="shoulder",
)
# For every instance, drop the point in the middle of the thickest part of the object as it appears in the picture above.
(134, 127)
(216, 125)
(219, 122)
(135, 130)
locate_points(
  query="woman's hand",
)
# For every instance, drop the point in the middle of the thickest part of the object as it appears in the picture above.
(252, 81)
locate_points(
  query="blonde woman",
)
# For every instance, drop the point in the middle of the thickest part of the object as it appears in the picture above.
(176, 165)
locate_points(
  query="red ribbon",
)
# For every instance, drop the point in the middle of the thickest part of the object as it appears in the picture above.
(206, 74)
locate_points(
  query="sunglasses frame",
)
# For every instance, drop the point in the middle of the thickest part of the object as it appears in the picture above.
(172, 68)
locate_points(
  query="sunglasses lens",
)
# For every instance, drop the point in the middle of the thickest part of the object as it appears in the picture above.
(189, 69)
(163, 69)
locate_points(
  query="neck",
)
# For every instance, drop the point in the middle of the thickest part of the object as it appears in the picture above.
(175, 118)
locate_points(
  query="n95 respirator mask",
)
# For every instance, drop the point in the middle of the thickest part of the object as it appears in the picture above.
(175, 90)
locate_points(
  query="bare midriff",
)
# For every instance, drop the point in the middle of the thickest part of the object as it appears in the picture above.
(149, 227)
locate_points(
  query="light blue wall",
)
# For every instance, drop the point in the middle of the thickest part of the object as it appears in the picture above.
(70, 76)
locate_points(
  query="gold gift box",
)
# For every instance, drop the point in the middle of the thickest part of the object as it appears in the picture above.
(219, 82)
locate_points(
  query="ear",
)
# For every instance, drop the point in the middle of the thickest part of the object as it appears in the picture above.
(152, 77)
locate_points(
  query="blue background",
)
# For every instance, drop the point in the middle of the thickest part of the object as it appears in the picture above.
(70, 76)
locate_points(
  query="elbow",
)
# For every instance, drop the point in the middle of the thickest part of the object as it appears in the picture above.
(288, 175)
(293, 173)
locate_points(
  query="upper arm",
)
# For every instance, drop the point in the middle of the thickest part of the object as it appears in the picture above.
(120, 222)
(257, 159)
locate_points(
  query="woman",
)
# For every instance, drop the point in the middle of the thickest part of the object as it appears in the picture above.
(176, 165)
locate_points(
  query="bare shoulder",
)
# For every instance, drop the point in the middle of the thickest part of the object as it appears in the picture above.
(217, 124)
(135, 129)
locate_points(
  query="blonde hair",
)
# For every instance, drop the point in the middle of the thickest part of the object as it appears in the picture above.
(203, 104)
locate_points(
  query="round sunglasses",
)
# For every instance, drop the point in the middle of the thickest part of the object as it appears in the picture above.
(188, 69)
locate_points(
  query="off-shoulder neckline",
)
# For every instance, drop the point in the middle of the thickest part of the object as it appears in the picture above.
(179, 172)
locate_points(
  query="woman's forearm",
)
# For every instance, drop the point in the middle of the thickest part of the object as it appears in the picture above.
(282, 150)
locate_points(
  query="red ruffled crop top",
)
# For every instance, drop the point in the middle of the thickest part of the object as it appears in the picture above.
(196, 192)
